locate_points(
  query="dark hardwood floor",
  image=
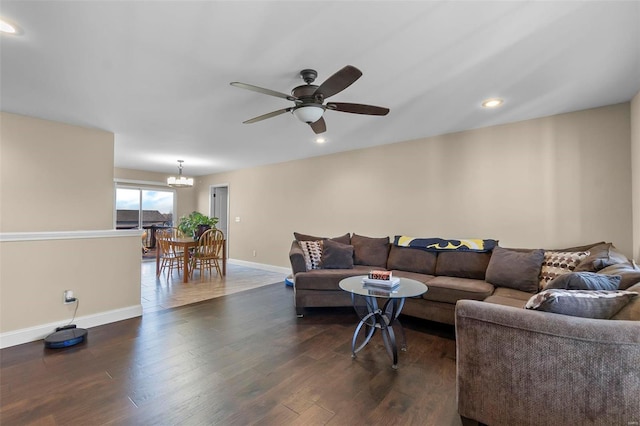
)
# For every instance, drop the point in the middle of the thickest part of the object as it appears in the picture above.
(235, 360)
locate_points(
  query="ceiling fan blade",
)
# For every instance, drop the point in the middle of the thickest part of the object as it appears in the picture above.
(339, 81)
(357, 108)
(264, 91)
(268, 115)
(319, 126)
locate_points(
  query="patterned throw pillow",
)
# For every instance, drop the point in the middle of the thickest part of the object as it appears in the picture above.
(598, 304)
(312, 252)
(556, 263)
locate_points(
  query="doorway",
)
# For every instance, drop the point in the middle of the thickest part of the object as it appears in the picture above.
(219, 208)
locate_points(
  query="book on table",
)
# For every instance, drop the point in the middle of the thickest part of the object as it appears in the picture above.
(379, 291)
(391, 283)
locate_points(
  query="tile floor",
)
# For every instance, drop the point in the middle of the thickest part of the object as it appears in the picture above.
(168, 291)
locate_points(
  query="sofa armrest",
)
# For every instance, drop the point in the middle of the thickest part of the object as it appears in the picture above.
(297, 258)
(517, 366)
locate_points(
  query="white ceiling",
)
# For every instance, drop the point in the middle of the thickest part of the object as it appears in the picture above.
(157, 74)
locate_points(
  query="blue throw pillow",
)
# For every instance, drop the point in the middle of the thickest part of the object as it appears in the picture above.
(585, 281)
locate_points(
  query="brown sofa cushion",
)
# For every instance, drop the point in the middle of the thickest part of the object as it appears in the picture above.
(336, 255)
(343, 239)
(370, 251)
(412, 260)
(631, 312)
(326, 279)
(601, 256)
(515, 269)
(506, 301)
(423, 278)
(509, 297)
(512, 293)
(462, 264)
(451, 289)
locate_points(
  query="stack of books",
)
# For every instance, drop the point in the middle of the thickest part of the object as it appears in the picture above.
(381, 280)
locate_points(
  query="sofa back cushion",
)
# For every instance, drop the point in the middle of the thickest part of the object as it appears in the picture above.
(343, 239)
(336, 255)
(462, 264)
(370, 251)
(412, 260)
(517, 269)
(600, 257)
(629, 273)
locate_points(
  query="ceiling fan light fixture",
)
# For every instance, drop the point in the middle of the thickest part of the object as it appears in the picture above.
(179, 181)
(308, 113)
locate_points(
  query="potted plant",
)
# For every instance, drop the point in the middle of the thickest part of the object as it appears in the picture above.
(196, 223)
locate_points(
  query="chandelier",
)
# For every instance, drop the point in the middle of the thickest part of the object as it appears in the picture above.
(179, 181)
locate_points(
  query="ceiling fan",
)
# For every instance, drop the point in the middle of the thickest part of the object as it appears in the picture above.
(309, 98)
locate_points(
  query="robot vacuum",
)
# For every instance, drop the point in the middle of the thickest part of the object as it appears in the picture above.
(64, 337)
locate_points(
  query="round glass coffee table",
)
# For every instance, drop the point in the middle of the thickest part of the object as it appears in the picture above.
(374, 318)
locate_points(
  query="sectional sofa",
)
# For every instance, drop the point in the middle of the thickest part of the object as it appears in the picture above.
(500, 276)
(513, 365)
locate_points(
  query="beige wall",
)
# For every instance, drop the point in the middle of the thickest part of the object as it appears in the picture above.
(635, 160)
(104, 273)
(53, 176)
(185, 197)
(65, 186)
(550, 182)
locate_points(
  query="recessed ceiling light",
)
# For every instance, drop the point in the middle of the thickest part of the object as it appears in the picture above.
(320, 140)
(7, 28)
(492, 103)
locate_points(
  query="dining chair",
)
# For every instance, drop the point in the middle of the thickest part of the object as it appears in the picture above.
(169, 258)
(176, 232)
(208, 252)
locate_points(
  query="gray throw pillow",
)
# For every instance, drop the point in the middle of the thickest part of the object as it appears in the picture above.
(336, 255)
(515, 269)
(370, 251)
(585, 281)
(599, 304)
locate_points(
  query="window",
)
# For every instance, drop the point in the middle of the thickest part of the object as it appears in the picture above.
(143, 208)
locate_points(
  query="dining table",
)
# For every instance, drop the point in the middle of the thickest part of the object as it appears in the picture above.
(184, 244)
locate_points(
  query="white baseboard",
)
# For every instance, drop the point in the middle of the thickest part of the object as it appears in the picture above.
(263, 266)
(30, 334)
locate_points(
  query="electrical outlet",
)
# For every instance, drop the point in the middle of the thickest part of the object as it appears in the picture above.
(68, 297)
(254, 253)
